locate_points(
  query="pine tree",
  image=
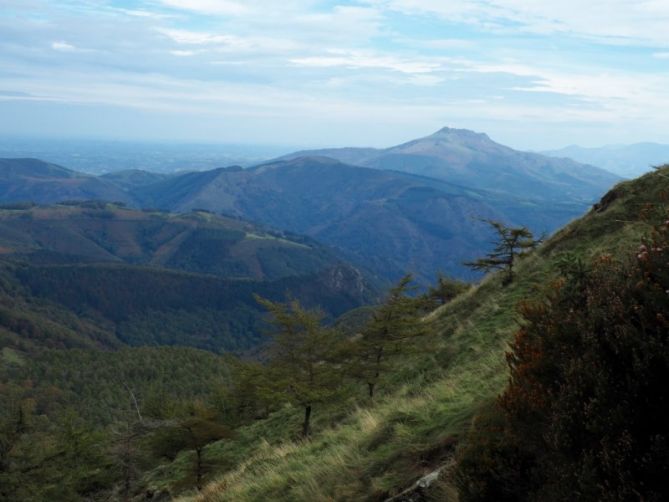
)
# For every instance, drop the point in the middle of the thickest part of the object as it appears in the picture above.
(191, 433)
(304, 367)
(446, 289)
(511, 243)
(394, 322)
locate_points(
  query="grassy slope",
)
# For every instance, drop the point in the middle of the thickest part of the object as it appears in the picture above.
(377, 450)
(98, 232)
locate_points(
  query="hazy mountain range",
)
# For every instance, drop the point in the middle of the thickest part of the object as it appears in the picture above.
(412, 208)
(627, 161)
(472, 159)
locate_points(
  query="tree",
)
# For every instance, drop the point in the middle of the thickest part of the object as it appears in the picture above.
(446, 289)
(394, 322)
(304, 367)
(190, 433)
(246, 396)
(43, 460)
(511, 243)
(126, 436)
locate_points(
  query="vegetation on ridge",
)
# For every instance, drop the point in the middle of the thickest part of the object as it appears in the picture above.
(378, 449)
(359, 448)
(584, 414)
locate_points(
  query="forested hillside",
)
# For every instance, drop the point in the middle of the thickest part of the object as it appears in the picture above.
(101, 311)
(416, 425)
(390, 222)
(359, 409)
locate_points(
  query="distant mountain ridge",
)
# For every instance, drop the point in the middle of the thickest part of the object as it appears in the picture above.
(627, 161)
(415, 207)
(392, 222)
(38, 181)
(472, 159)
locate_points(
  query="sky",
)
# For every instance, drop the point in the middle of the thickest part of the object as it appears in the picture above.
(533, 74)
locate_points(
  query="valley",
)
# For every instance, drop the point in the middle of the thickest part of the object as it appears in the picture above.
(126, 322)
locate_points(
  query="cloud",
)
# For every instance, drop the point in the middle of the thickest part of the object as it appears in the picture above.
(216, 7)
(63, 46)
(188, 37)
(514, 61)
(362, 60)
(183, 53)
(616, 21)
(13, 94)
(227, 42)
(145, 14)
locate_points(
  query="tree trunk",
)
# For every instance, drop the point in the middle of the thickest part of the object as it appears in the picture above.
(198, 467)
(307, 416)
(377, 372)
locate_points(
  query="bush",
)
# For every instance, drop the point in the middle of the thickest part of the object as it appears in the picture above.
(584, 414)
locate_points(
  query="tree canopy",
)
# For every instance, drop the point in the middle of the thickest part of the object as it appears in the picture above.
(510, 243)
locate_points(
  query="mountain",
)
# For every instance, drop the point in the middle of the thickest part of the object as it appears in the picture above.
(391, 222)
(404, 444)
(472, 159)
(34, 180)
(146, 278)
(416, 207)
(628, 161)
(199, 242)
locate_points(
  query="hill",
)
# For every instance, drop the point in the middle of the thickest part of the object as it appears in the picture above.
(389, 221)
(33, 180)
(628, 161)
(201, 242)
(472, 159)
(95, 274)
(377, 450)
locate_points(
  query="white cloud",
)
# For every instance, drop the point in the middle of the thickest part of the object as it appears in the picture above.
(362, 60)
(63, 46)
(140, 13)
(188, 37)
(228, 42)
(616, 21)
(216, 7)
(183, 53)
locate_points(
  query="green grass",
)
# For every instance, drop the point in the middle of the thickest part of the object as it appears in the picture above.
(371, 451)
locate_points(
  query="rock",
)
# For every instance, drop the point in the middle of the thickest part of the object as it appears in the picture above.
(418, 492)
